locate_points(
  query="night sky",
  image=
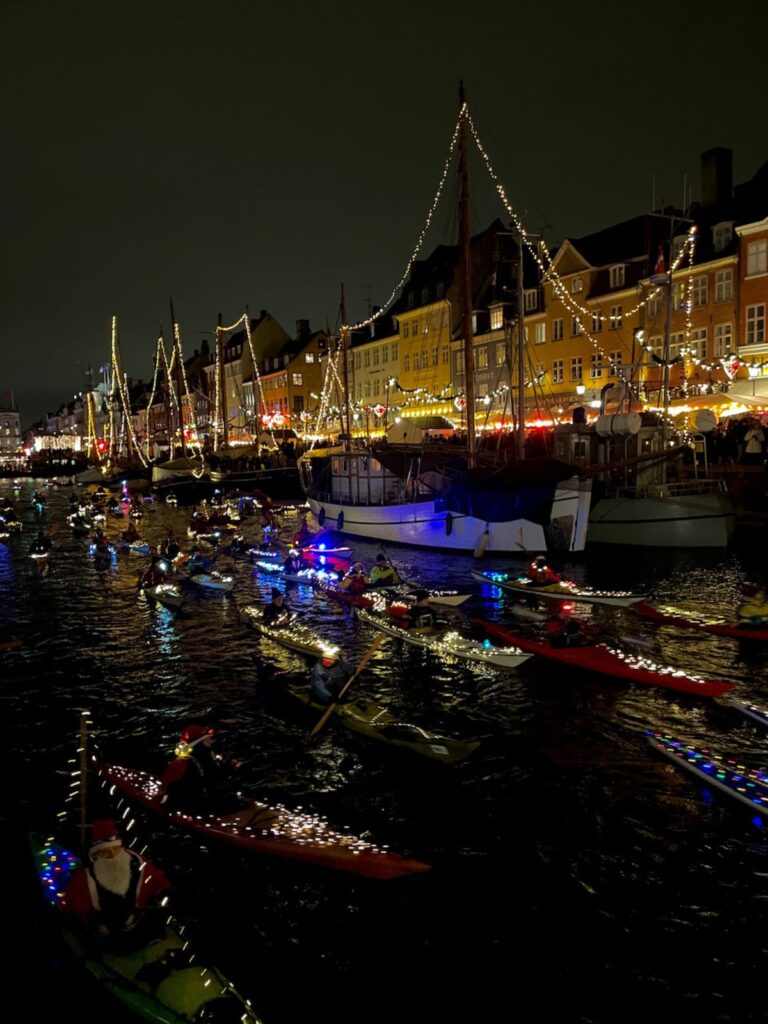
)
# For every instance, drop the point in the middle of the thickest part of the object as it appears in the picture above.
(238, 153)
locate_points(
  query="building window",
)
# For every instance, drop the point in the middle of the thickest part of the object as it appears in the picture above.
(367, 389)
(577, 285)
(576, 368)
(595, 366)
(676, 344)
(375, 357)
(698, 343)
(756, 325)
(540, 333)
(557, 371)
(656, 346)
(375, 387)
(367, 358)
(723, 339)
(653, 305)
(557, 330)
(597, 323)
(309, 357)
(406, 362)
(530, 299)
(757, 257)
(395, 350)
(414, 327)
(501, 355)
(298, 403)
(614, 364)
(497, 318)
(721, 235)
(617, 317)
(446, 354)
(297, 379)
(385, 353)
(435, 355)
(406, 329)
(481, 358)
(616, 276)
(357, 360)
(699, 291)
(724, 285)
(576, 327)
(679, 297)
(439, 289)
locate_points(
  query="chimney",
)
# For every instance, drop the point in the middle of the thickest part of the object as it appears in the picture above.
(302, 330)
(716, 176)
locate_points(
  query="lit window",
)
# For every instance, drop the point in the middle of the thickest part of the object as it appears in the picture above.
(541, 333)
(557, 371)
(497, 318)
(530, 299)
(297, 378)
(481, 357)
(309, 357)
(577, 285)
(698, 343)
(721, 235)
(757, 257)
(501, 355)
(723, 339)
(616, 317)
(576, 327)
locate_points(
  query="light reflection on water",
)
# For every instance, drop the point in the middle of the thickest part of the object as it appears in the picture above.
(564, 838)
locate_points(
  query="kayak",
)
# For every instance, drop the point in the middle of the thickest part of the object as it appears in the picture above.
(292, 635)
(296, 835)
(331, 558)
(213, 581)
(750, 786)
(136, 547)
(167, 594)
(610, 661)
(377, 723)
(671, 617)
(163, 981)
(562, 591)
(449, 644)
(330, 587)
(746, 707)
(308, 577)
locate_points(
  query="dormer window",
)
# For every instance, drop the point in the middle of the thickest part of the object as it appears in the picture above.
(617, 275)
(721, 235)
(577, 285)
(530, 299)
(497, 318)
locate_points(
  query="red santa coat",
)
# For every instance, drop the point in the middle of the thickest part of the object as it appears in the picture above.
(81, 897)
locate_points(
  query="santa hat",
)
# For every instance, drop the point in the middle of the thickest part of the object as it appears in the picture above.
(104, 835)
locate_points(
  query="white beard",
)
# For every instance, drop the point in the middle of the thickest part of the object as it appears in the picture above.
(114, 874)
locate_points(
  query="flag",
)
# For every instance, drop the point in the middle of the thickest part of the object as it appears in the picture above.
(660, 267)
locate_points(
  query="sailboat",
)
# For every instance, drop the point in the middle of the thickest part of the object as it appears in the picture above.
(651, 509)
(409, 494)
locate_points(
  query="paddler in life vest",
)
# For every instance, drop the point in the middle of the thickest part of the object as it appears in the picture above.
(292, 564)
(329, 674)
(754, 610)
(117, 895)
(154, 574)
(354, 580)
(384, 574)
(195, 782)
(540, 574)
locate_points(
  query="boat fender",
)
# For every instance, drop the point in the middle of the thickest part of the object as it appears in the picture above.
(340, 521)
(321, 516)
(448, 524)
(482, 544)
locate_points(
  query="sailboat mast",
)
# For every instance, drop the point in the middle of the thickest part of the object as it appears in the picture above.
(179, 374)
(520, 351)
(344, 336)
(222, 380)
(466, 283)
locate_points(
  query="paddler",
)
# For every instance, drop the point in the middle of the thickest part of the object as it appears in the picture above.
(292, 564)
(384, 574)
(277, 612)
(564, 631)
(117, 895)
(329, 674)
(304, 535)
(421, 615)
(195, 781)
(354, 580)
(540, 574)
(754, 610)
(154, 574)
(131, 535)
(41, 545)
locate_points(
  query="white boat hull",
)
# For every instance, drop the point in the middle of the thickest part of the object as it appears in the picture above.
(418, 524)
(683, 521)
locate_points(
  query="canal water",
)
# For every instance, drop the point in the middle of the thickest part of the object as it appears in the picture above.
(575, 872)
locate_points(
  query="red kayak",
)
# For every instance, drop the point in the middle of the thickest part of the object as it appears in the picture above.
(612, 662)
(271, 830)
(338, 559)
(735, 630)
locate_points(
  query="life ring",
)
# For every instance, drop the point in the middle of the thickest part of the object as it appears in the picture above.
(448, 524)
(340, 521)
(321, 517)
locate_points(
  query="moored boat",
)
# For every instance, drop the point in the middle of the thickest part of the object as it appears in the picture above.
(611, 661)
(562, 591)
(277, 831)
(748, 785)
(447, 644)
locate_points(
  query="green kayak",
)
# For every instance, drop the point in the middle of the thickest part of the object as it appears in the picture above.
(157, 982)
(378, 724)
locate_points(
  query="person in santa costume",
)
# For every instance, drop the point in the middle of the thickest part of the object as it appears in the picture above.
(197, 780)
(117, 895)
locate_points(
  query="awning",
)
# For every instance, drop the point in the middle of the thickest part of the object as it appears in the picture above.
(751, 391)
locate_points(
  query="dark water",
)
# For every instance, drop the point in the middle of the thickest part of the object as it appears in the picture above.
(575, 872)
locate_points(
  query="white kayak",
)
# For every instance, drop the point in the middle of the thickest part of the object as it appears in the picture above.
(449, 644)
(562, 591)
(168, 594)
(292, 634)
(213, 581)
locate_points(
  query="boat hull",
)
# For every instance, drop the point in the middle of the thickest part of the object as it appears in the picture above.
(673, 521)
(422, 524)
